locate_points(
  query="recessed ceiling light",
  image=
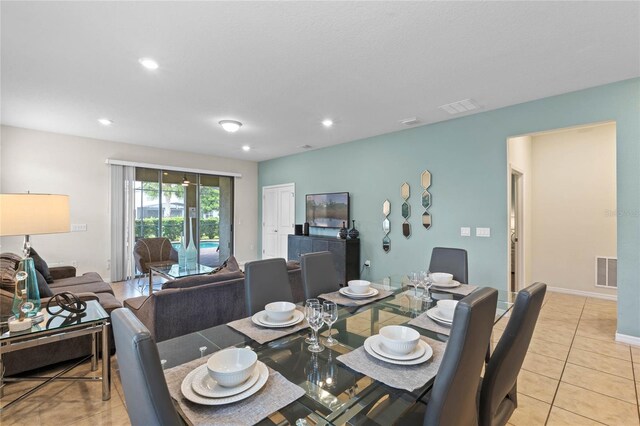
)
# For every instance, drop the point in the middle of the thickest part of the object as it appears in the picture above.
(327, 122)
(105, 121)
(246, 148)
(230, 126)
(148, 63)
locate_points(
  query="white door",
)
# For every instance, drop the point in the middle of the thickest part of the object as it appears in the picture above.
(278, 219)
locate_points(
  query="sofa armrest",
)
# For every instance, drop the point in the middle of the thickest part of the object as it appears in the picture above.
(85, 297)
(143, 307)
(61, 272)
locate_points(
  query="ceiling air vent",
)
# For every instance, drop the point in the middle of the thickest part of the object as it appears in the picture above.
(410, 121)
(458, 107)
(305, 146)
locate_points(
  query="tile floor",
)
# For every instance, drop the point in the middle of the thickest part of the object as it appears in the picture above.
(574, 374)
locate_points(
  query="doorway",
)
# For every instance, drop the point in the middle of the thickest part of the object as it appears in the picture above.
(515, 231)
(278, 219)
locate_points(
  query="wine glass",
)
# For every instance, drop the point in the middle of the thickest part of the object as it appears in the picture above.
(414, 281)
(330, 312)
(427, 283)
(316, 319)
(311, 339)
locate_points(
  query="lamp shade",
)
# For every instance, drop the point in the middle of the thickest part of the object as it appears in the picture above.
(31, 214)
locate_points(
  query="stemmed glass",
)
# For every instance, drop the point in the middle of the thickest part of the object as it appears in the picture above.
(311, 339)
(414, 281)
(427, 282)
(330, 311)
(315, 319)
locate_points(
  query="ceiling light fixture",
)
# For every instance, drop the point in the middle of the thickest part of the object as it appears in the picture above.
(185, 181)
(327, 122)
(246, 148)
(230, 126)
(148, 63)
(105, 121)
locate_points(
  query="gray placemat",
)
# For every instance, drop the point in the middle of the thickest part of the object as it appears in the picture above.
(423, 321)
(347, 301)
(407, 377)
(263, 335)
(463, 289)
(277, 393)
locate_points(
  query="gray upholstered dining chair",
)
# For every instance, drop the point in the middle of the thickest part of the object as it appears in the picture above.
(145, 389)
(453, 398)
(498, 394)
(452, 261)
(318, 274)
(266, 281)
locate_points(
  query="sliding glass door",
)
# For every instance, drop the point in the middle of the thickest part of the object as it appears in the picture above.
(176, 205)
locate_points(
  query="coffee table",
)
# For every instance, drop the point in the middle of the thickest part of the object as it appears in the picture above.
(54, 328)
(175, 271)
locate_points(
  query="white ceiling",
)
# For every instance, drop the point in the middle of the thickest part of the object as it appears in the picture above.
(281, 67)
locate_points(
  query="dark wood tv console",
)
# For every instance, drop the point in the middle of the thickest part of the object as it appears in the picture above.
(346, 253)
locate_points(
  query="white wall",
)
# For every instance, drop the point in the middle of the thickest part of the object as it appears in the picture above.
(520, 158)
(574, 186)
(55, 163)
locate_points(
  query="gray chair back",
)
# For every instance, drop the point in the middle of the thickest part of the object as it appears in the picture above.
(453, 397)
(145, 390)
(266, 281)
(452, 261)
(318, 274)
(148, 250)
(498, 395)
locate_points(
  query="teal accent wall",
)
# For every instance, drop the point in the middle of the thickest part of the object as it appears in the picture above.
(468, 162)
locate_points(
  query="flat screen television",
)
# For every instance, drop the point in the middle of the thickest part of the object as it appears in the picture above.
(328, 210)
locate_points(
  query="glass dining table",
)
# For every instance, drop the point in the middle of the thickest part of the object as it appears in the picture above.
(334, 393)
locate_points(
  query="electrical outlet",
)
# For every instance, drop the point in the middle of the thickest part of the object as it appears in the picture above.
(367, 263)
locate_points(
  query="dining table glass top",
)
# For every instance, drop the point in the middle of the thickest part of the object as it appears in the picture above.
(334, 394)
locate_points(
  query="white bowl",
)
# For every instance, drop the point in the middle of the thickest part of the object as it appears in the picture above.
(231, 367)
(447, 308)
(399, 340)
(280, 311)
(359, 286)
(441, 277)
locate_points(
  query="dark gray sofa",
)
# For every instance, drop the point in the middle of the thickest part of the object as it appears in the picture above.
(89, 286)
(198, 303)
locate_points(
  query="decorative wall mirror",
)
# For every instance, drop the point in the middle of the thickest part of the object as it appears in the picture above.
(405, 192)
(425, 181)
(386, 226)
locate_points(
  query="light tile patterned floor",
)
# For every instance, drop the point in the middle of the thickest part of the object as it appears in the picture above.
(574, 374)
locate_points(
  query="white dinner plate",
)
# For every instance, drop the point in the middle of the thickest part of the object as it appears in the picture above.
(435, 315)
(260, 319)
(450, 284)
(428, 353)
(346, 292)
(191, 395)
(205, 385)
(378, 347)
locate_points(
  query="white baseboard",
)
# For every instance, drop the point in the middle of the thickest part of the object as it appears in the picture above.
(629, 340)
(613, 297)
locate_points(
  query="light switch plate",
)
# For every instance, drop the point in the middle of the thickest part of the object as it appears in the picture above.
(483, 232)
(78, 227)
(465, 231)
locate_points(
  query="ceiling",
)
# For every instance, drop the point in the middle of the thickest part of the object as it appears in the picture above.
(282, 67)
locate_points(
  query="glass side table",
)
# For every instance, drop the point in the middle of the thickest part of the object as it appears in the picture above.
(93, 321)
(174, 271)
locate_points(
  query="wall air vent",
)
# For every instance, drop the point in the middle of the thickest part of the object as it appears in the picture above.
(410, 121)
(606, 272)
(458, 107)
